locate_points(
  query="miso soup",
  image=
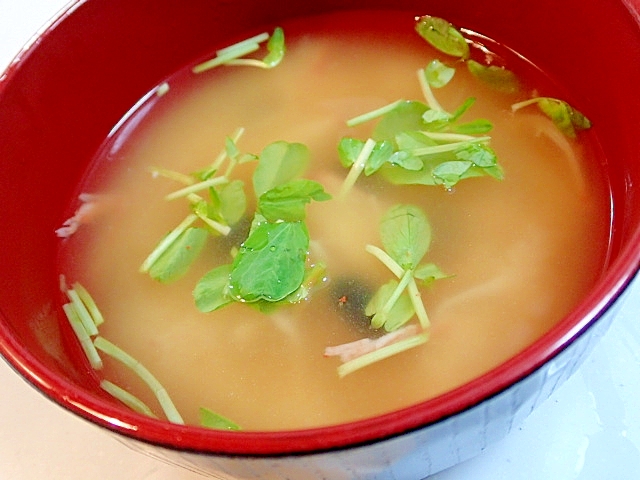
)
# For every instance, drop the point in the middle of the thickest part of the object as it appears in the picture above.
(516, 253)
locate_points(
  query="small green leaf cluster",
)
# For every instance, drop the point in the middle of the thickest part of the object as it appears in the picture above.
(406, 237)
(446, 38)
(271, 264)
(217, 202)
(421, 143)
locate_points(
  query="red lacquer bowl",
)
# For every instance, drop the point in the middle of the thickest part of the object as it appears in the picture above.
(62, 96)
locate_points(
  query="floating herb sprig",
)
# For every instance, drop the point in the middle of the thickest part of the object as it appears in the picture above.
(233, 54)
(406, 236)
(277, 244)
(421, 143)
(222, 206)
(448, 39)
(566, 118)
(271, 264)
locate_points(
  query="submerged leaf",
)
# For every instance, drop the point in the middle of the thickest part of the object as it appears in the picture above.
(348, 150)
(461, 110)
(437, 117)
(216, 421)
(429, 272)
(498, 78)
(438, 74)
(450, 173)
(287, 202)
(407, 116)
(233, 201)
(178, 257)
(480, 154)
(279, 163)
(410, 141)
(210, 292)
(400, 313)
(565, 117)
(381, 154)
(406, 234)
(443, 36)
(475, 127)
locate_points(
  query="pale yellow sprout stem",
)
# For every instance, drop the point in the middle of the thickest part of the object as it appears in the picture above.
(247, 62)
(145, 375)
(130, 400)
(257, 39)
(427, 92)
(172, 175)
(162, 89)
(517, 106)
(357, 167)
(221, 228)
(386, 259)
(412, 287)
(217, 226)
(90, 303)
(230, 53)
(166, 242)
(449, 137)
(83, 337)
(222, 156)
(418, 305)
(447, 147)
(365, 117)
(83, 314)
(385, 352)
(380, 317)
(196, 187)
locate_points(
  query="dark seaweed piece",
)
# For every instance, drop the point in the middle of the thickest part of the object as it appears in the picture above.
(237, 235)
(349, 298)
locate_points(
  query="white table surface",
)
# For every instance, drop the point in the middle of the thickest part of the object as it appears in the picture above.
(588, 430)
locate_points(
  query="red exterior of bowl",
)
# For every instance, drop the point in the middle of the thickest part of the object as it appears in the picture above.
(60, 99)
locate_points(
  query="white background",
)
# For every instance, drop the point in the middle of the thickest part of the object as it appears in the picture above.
(588, 430)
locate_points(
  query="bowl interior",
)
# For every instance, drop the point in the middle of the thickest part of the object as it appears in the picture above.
(62, 97)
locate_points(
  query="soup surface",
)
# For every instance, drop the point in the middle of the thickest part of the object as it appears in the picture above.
(520, 252)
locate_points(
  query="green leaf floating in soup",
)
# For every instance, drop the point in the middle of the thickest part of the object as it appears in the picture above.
(271, 263)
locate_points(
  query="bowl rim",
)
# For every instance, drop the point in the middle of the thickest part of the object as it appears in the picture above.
(139, 427)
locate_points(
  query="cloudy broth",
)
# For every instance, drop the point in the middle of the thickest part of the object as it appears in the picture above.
(521, 251)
